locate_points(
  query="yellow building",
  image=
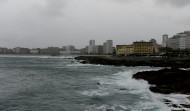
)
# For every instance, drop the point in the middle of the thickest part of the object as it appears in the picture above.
(143, 47)
(124, 50)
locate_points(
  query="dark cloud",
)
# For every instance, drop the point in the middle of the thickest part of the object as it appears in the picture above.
(54, 8)
(178, 3)
(126, 1)
(42, 23)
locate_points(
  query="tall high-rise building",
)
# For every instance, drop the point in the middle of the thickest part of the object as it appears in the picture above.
(92, 43)
(109, 47)
(104, 48)
(91, 46)
(164, 40)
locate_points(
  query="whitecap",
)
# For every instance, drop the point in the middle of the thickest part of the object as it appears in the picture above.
(107, 108)
(138, 87)
(95, 93)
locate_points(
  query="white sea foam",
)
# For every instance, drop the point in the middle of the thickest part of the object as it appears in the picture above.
(138, 87)
(185, 68)
(141, 87)
(111, 84)
(78, 65)
(107, 108)
(124, 79)
(95, 93)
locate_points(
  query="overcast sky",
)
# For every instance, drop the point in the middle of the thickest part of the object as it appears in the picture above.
(43, 23)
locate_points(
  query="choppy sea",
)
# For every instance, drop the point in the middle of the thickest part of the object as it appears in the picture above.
(44, 83)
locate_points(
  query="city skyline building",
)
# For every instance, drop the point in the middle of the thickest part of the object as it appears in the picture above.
(164, 40)
(179, 41)
(104, 48)
(143, 47)
(70, 48)
(109, 47)
(98, 49)
(92, 43)
(91, 46)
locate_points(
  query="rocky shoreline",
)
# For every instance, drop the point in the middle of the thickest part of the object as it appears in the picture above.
(164, 81)
(136, 61)
(168, 81)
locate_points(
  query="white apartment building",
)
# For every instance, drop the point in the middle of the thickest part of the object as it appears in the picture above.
(34, 51)
(164, 40)
(109, 47)
(92, 43)
(179, 41)
(104, 48)
(91, 46)
(70, 48)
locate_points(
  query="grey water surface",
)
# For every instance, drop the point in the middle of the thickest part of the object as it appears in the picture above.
(58, 84)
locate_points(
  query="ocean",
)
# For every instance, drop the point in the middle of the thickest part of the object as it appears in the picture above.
(44, 83)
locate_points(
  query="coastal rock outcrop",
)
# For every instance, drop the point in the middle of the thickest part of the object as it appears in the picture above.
(136, 61)
(167, 81)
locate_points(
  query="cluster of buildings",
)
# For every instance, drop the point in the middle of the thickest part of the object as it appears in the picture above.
(138, 48)
(20, 50)
(178, 41)
(105, 48)
(70, 49)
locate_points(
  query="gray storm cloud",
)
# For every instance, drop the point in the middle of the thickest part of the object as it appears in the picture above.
(125, 0)
(178, 3)
(54, 7)
(42, 23)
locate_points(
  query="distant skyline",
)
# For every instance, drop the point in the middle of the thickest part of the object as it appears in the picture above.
(43, 23)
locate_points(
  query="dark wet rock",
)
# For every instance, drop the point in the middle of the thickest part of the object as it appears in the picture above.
(188, 97)
(122, 89)
(166, 101)
(170, 104)
(167, 81)
(175, 63)
(175, 106)
(84, 62)
(185, 105)
(161, 89)
(177, 110)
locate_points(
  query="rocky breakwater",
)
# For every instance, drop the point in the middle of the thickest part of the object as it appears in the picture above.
(168, 81)
(135, 61)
